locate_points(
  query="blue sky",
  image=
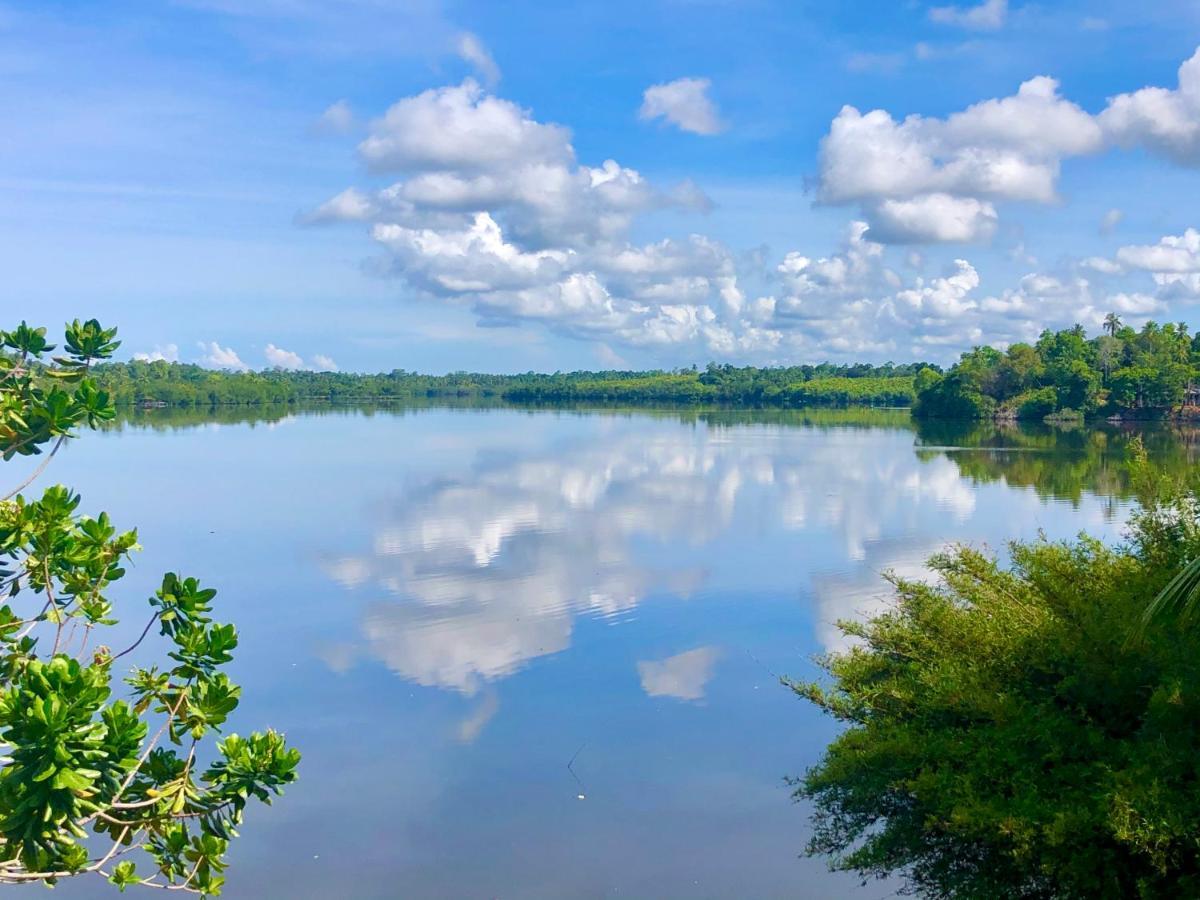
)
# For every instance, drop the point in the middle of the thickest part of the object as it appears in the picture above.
(169, 168)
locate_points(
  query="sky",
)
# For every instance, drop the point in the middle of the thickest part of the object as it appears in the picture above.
(369, 185)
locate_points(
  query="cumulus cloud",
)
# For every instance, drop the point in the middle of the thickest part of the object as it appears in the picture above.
(495, 212)
(164, 353)
(461, 128)
(1173, 263)
(933, 218)
(943, 298)
(683, 676)
(280, 358)
(219, 357)
(928, 179)
(490, 210)
(684, 103)
(852, 305)
(283, 359)
(987, 16)
(472, 50)
(925, 179)
(1162, 120)
(337, 118)
(1172, 254)
(1102, 265)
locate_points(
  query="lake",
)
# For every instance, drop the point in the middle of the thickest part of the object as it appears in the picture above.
(535, 654)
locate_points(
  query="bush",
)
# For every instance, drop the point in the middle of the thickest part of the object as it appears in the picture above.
(1014, 732)
(1036, 404)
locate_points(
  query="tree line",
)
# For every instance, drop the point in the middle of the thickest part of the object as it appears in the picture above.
(1122, 372)
(1064, 375)
(181, 384)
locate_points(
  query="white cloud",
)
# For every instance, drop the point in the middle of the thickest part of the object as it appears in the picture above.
(1172, 254)
(1135, 304)
(461, 128)
(1110, 220)
(278, 357)
(1102, 265)
(337, 118)
(1173, 264)
(165, 353)
(987, 16)
(472, 50)
(496, 214)
(283, 359)
(1163, 121)
(474, 260)
(907, 175)
(933, 218)
(683, 676)
(943, 298)
(684, 103)
(492, 212)
(351, 205)
(219, 357)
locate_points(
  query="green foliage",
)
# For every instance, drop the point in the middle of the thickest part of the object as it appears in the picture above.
(1036, 403)
(41, 403)
(82, 785)
(175, 384)
(1132, 374)
(1017, 732)
(954, 396)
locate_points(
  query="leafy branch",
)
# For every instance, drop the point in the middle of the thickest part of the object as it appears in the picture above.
(82, 786)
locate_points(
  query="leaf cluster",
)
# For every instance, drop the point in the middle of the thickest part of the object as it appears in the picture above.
(1016, 731)
(85, 786)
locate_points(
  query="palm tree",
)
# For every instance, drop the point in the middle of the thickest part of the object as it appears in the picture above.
(1180, 599)
(1111, 323)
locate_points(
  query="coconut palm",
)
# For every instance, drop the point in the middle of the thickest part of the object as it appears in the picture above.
(1179, 601)
(1111, 323)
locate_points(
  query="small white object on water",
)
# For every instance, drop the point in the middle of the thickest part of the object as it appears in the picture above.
(581, 796)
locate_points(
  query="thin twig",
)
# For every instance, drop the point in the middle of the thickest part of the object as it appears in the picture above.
(36, 472)
(133, 646)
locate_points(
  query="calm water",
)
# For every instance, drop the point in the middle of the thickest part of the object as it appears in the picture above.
(445, 607)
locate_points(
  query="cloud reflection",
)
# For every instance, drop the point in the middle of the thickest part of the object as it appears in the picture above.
(683, 676)
(488, 568)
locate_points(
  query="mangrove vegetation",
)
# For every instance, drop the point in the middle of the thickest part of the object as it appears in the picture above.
(1023, 730)
(1065, 375)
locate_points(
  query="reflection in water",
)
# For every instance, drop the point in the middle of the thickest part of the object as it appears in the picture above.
(497, 589)
(488, 567)
(1059, 463)
(682, 676)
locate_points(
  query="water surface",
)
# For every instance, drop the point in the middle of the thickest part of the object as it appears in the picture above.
(445, 607)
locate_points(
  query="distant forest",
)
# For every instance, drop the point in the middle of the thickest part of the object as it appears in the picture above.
(1064, 375)
(180, 384)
